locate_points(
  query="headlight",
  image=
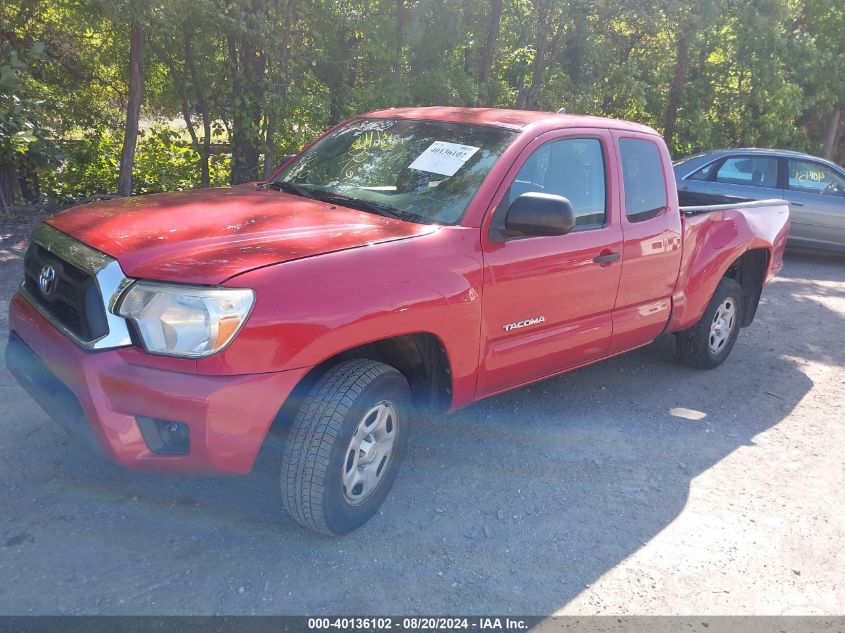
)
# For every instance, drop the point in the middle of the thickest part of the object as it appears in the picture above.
(184, 320)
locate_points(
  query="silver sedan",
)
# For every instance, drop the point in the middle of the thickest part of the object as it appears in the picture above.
(814, 187)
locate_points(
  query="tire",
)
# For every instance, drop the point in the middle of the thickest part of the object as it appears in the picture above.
(706, 345)
(319, 459)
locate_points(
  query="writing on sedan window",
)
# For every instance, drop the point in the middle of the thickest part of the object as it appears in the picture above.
(808, 175)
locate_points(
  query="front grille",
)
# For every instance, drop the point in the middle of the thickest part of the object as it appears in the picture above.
(75, 303)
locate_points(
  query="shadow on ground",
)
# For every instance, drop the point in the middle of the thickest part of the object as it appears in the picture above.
(513, 505)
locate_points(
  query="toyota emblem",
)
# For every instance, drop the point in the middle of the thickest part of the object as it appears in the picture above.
(47, 280)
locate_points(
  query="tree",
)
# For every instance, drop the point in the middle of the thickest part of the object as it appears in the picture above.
(247, 63)
(133, 108)
(820, 25)
(20, 115)
(686, 18)
(832, 132)
(486, 67)
(280, 67)
(215, 91)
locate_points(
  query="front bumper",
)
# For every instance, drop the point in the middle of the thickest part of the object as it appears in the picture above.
(98, 396)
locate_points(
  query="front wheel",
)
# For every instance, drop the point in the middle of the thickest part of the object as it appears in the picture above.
(345, 446)
(709, 342)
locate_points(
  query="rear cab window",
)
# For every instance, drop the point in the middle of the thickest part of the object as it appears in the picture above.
(643, 179)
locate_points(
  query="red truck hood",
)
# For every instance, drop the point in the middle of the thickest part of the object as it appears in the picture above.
(209, 235)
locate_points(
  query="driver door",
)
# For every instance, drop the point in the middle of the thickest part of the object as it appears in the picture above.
(547, 301)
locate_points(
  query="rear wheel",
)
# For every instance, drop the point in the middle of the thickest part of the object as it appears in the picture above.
(709, 342)
(345, 446)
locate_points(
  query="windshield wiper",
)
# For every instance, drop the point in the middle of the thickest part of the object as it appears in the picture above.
(289, 187)
(379, 208)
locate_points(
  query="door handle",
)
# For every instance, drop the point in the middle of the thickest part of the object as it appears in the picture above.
(606, 259)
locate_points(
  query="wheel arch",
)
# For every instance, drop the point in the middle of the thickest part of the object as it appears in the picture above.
(749, 270)
(421, 357)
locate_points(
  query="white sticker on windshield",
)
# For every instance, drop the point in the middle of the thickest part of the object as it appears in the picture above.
(443, 158)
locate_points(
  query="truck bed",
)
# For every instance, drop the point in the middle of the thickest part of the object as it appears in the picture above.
(718, 233)
(695, 203)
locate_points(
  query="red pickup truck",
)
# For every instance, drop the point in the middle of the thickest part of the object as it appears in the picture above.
(408, 258)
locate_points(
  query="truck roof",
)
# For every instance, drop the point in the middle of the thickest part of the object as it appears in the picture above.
(511, 119)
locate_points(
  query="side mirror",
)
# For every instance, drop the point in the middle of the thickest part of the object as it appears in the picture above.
(536, 213)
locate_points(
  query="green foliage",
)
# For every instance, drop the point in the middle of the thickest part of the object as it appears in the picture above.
(23, 113)
(20, 111)
(88, 166)
(165, 163)
(268, 75)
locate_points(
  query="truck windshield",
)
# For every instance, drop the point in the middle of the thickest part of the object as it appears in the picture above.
(421, 171)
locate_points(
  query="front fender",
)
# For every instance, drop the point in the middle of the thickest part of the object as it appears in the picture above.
(312, 309)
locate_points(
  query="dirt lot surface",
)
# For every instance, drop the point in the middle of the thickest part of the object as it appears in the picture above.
(637, 486)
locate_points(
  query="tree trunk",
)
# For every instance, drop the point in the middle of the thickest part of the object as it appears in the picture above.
(838, 155)
(248, 82)
(284, 68)
(205, 177)
(532, 101)
(335, 105)
(28, 181)
(676, 88)
(133, 109)
(520, 89)
(575, 47)
(9, 186)
(269, 146)
(401, 16)
(467, 30)
(195, 142)
(181, 86)
(530, 97)
(832, 132)
(201, 95)
(489, 51)
(247, 66)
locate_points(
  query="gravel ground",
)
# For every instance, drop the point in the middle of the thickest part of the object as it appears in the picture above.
(637, 486)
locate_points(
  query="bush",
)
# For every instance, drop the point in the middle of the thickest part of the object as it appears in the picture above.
(89, 166)
(85, 167)
(165, 163)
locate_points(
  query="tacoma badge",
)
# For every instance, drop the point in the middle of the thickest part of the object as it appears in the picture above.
(532, 321)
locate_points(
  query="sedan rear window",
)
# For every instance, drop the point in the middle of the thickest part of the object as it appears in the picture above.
(704, 173)
(757, 171)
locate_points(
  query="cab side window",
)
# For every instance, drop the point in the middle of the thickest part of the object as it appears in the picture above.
(811, 177)
(642, 176)
(572, 168)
